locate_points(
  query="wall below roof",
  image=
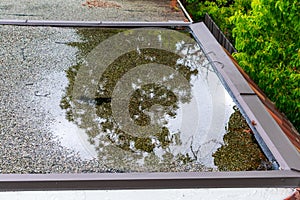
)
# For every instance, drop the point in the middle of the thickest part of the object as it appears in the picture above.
(182, 194)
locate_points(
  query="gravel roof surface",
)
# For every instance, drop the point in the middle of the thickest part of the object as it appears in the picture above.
(90, 10)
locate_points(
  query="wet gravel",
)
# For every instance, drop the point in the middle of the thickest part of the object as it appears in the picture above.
(32, 64)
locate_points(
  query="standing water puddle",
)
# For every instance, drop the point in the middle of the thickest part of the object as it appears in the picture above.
(109, 100)
(148, 99)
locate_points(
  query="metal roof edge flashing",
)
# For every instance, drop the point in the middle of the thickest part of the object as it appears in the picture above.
(271, 138)
(250, 179)
(184, 11)
(112, 24)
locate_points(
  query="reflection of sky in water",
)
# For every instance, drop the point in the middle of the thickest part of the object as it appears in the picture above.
(68, 133)
(71, 136)
(205, 116)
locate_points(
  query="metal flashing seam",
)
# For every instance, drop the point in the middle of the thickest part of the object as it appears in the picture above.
(111, 24)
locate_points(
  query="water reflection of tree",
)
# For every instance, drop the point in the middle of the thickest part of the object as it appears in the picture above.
(142, 99)
(240, 151)
(138, 154)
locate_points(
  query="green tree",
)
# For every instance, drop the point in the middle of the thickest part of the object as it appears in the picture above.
(267, 39)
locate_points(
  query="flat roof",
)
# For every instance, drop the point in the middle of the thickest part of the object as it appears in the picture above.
(268, 134)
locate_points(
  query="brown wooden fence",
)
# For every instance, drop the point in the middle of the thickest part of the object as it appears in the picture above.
(218, 34)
